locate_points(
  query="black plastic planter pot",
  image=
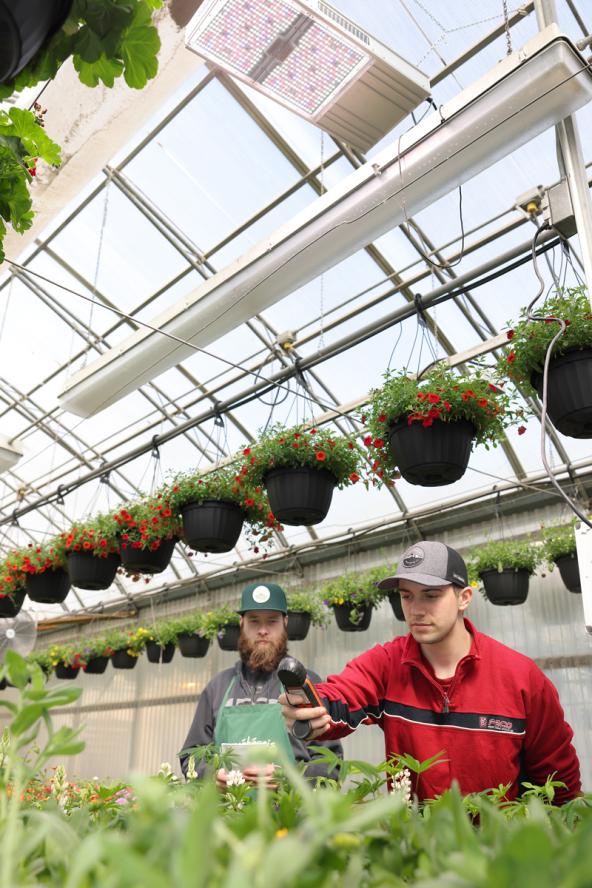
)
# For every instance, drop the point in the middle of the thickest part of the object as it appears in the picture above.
(192, 645)
(569, 392)
(434, 455)
(49, 587)
(300, 496)
(10, 605)
(96, 665)
(570, 572)
(123, 660)
(395, 600)
(213, 525)
(342, 617)
(63, 671)
(25, 25)
(298, 625)
(158, 653)
(506, 587)
(88, 571)
(146, 561)
(228, 637)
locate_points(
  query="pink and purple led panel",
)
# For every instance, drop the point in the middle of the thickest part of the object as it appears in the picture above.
(238, 36)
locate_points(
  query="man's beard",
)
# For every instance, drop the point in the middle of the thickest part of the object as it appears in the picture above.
(262, 657)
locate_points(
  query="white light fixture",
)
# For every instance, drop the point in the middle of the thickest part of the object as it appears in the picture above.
(523, 95)
(10, 453)
(309, 57)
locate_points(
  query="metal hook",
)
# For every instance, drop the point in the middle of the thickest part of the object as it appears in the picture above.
(419, 309)
(104, 479)
(155, 451)
(15, 520)
(60, 495)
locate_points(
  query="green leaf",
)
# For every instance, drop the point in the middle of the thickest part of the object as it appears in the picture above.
(104, 70)
(193, 862)
(104, 16)
(16, 669)
(139, 48)
(36, 142)
(26, 718)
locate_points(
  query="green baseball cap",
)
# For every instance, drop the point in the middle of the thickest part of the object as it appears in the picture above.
(263, 596)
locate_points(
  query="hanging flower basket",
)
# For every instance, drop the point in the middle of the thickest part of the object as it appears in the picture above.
(96, 665)
(153, 560)
(569, 570)
(362, 615)
(63, 671)
(431, 456)
(159, 653)
(212, 525)
(11, 604)
(298, 625)
(395, 599)
(300, 468)
(93, 572)
(49, 587)
(569, 392)
(300, 496)
(228, 637)
(506, 587)
(424, 428)
(192, 645)
(123, 660)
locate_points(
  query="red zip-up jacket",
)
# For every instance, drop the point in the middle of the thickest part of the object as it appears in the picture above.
(500, 721)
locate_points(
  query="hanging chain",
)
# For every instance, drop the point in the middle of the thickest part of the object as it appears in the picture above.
(507, 27)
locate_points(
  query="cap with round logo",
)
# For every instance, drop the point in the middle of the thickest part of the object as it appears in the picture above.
(430, 564)
(263, 596)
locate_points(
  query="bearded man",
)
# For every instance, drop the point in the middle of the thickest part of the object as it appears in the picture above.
(240, 705)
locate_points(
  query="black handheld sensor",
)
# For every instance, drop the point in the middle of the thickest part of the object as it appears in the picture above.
(292, 675)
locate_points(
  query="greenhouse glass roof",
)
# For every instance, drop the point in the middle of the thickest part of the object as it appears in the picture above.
(218, 169)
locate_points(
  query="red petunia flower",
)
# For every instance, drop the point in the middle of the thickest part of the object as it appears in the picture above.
(368, 440)
(382, 418)
(510, 334)
(353, 477)
(246, 451)
(521, 430)
(433, 399)
(511, 357)
(321, 455)
(379, 442)
(482, 402)
(492, 387)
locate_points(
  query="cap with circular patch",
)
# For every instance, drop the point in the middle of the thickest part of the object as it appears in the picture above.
(431, 564)
(263, 596)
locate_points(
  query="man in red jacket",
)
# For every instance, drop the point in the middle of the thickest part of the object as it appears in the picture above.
(447, 688)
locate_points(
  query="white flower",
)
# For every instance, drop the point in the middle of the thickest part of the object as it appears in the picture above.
(191, 772)
(402, 785)
(165, 769)
(234, 778)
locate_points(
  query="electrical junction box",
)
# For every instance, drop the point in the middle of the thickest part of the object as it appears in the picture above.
(558, 210)
(309, 57)
(584, 550)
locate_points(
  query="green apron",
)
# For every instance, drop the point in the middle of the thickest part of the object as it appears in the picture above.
(252, 722)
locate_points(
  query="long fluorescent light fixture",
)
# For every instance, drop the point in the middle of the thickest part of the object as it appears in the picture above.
(311, 58)
(525, 94)
(10, 453)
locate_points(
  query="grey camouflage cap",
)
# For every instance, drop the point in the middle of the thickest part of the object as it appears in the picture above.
(431, 564)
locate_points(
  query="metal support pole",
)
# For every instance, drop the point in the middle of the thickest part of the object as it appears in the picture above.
(573, 162)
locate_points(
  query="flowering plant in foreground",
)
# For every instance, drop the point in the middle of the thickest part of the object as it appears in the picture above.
(441, 394)
(41, 557)
(528, 340)
(295, 447)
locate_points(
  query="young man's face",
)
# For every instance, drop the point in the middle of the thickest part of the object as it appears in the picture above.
(432, 612)
(263, 639)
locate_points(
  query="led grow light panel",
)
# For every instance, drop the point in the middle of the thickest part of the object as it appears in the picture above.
(275, 44)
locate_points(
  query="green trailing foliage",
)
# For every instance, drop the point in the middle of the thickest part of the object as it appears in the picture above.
(308, 603)
(558, 541)
(106, 39)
